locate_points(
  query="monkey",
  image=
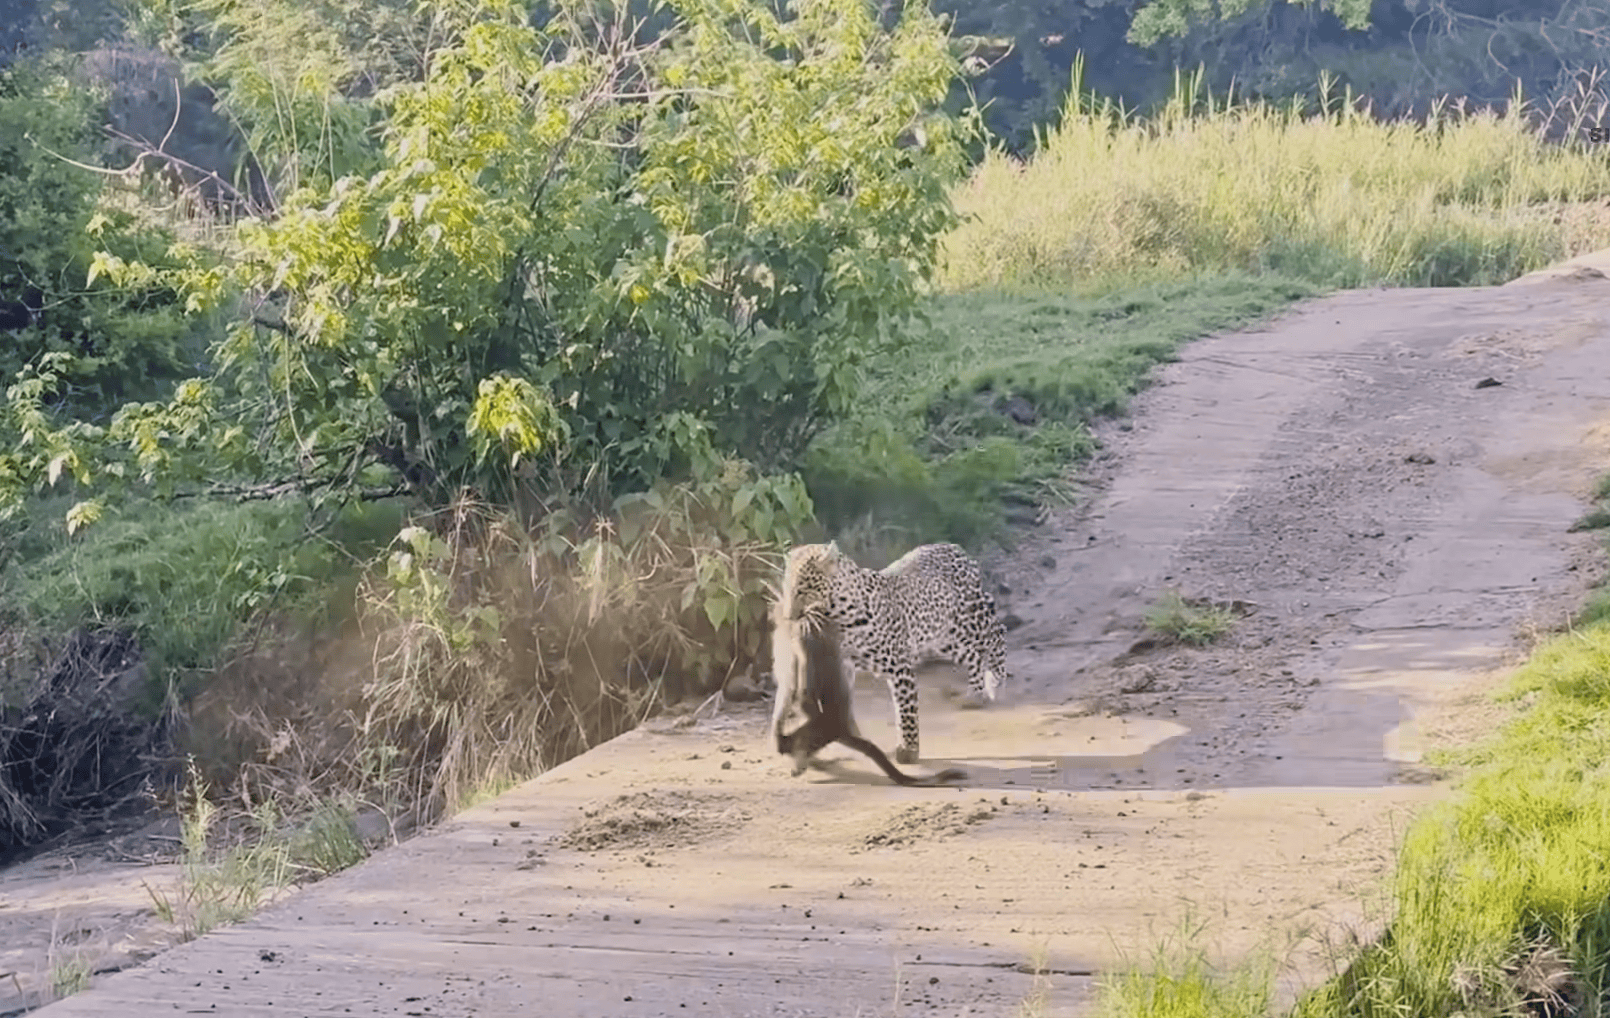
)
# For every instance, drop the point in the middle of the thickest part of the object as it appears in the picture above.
(808, 666)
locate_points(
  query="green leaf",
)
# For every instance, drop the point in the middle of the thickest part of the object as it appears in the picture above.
(83, 514)
(718, 608)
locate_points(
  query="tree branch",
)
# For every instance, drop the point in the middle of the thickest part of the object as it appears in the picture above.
(275, 489)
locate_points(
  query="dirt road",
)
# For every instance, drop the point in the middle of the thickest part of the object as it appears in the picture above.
(1391, 524)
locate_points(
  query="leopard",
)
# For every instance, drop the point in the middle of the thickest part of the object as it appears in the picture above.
(929, 603)
(814, 689)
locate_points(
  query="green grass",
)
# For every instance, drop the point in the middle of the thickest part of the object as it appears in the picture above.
(1173, 617)
(70, 976)
(1340, 200)
(1597, 610)
(1180, 981)
(1500, 890)
(1598, 517)
(933, 455)
(183, 575)
(1522, 853)
(270, 854)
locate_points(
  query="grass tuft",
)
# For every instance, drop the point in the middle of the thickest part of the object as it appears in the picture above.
(1180, 981)
(234, 863)
(1598, 517)
(70, 975)
(1177, 619)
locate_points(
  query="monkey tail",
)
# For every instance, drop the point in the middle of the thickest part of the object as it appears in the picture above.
(871, 751)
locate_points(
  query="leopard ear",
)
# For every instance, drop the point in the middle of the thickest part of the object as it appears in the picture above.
(833, 546)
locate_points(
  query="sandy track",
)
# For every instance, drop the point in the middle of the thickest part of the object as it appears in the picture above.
(1392, 524)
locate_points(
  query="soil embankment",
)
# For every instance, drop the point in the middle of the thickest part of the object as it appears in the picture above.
(1391, 520)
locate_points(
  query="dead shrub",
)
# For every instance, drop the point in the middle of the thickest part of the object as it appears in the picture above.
(78, 755)
(484, 651)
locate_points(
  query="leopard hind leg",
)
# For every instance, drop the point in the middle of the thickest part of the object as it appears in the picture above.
(985, 661)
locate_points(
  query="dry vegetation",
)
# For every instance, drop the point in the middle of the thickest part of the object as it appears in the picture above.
(1338, 198)
(482, 651)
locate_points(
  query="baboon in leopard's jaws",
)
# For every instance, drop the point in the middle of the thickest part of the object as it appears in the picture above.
(808, 664)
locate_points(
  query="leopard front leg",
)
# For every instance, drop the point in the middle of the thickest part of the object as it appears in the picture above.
(903, 688)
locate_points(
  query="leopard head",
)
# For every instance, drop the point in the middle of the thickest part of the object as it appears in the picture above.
(808, 581)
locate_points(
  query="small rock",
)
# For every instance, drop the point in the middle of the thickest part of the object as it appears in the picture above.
(1137, 680)
(1018, 409)
(1488, 383)
(1012, 621)
(742, 689)
(1425, 458)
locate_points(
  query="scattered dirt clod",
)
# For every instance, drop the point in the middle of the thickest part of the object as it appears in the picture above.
(659, 819)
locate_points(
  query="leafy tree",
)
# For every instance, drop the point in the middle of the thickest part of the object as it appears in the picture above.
(297, 77)
(107, 344)
(581, 256)
(1027, 50)
(1159, 19)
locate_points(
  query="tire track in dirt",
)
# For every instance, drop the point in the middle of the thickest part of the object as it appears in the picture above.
(1392, 522)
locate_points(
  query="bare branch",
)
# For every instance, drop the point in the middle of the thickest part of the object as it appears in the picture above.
(234, 194)
(276, 489)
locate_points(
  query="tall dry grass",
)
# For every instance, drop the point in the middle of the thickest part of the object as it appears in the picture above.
(1335, 197)
(483, 650)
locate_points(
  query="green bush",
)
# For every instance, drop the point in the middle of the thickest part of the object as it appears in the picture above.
(582, 261)
(185, 576)
(115, 344)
